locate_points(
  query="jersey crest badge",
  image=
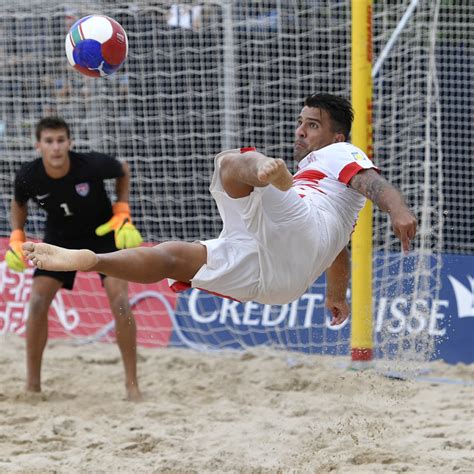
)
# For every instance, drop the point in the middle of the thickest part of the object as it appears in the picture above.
(358, 156)
(82, 189)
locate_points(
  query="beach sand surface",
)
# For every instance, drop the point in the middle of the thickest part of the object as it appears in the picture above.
(256, 411)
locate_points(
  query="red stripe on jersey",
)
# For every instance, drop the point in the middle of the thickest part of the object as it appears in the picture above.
(348, 172)
(309, 175)
(248, 148)
(302, 186)
(309, 179)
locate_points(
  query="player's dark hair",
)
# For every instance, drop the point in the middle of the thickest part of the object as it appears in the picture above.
(51, 123)
(338, 108)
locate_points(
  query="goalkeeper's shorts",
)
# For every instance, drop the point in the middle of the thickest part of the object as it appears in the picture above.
(103, 244)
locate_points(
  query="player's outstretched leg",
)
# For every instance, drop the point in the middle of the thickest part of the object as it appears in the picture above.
(177, 260)
(50, 257)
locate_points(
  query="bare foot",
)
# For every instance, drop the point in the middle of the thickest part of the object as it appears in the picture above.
(50, 257)
(274, 171)
(33, 387)
(134, 394)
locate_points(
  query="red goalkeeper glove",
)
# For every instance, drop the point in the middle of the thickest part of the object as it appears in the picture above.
(126, 234)
(14, 257)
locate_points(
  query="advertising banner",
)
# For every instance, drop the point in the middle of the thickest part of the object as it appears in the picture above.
(203, 321)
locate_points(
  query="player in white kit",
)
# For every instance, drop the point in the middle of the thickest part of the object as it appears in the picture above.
(280, 232)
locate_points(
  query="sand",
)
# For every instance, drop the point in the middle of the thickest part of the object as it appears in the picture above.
(245, 412)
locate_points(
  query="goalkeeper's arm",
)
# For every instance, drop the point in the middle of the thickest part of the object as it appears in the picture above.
(122, 184)
(126, 234)
(14, 256)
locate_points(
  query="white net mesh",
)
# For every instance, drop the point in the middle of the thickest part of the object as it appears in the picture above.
(203, 76)
(411, 146)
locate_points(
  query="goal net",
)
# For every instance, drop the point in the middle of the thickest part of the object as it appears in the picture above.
(420, 98)
(206, 76)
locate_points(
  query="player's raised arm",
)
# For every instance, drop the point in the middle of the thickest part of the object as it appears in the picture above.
(388, 199)
(14, 256)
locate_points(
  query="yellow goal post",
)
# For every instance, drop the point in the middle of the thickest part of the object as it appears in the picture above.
(361, 87)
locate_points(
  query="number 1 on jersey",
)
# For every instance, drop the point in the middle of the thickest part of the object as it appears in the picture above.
(67, 211)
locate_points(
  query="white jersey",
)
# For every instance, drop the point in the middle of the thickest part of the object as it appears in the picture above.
(274, 244)
(323, 177)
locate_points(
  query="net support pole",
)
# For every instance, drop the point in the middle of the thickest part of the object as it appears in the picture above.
(361, 86)
(228, 89)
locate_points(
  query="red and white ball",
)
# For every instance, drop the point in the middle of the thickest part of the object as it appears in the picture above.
(96, 45)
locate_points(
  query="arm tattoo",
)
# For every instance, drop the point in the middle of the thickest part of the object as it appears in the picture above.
(370, 184)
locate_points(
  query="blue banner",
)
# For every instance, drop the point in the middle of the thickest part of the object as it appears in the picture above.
(444, 318)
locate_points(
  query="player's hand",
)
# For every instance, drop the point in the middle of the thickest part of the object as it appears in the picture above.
(339, 309)
(126, 234)
(404, 226)
(14, 257)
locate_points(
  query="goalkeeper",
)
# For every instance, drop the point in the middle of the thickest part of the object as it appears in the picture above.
(69, 187)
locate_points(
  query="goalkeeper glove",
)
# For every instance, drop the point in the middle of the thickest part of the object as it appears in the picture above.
(126, 234)
(14, 256)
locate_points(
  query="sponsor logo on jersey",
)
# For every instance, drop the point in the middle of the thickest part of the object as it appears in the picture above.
(82, 189)
(357, 155)
(40, 197)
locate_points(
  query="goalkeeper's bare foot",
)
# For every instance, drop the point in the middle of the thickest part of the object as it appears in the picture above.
(134, 395)
(50, 257)
(274, 171)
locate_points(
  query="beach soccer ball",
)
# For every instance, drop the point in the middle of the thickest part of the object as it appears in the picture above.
(96, 45)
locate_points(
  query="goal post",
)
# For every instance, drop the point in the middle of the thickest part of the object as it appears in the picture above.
(362, 253)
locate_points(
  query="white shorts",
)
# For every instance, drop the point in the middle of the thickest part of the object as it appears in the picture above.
(269, 247)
